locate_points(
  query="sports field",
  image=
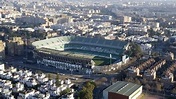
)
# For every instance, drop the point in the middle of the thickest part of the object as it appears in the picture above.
(99, 61)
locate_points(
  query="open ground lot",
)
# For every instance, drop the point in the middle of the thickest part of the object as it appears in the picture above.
(149, 96)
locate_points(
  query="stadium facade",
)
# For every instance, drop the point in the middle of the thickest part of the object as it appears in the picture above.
(77, 53)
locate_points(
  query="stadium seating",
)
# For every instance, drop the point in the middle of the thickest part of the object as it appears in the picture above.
(108, 42)
(93, 40)
(100, 41)
(100, 47)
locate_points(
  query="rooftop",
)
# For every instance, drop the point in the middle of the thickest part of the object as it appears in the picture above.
(59, 41)
(124, 88)
(1, 63)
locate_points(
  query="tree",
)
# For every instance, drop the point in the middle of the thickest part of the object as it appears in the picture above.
(89, 86)
(137, 81)
(82, 93)
(147, 87)
(144, 81)
(174, 91)
(155, 54)
(66, 91)
(87, 91)
(49, 76)
(131, 80)
(93, 83)
(58, 83)
(126, 79)
(135, 50)
(57, 76)
(152, 32)
(159, 87)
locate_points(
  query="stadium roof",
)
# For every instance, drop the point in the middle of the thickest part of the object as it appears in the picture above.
(1, 63)
(58, 41)
(123, 88)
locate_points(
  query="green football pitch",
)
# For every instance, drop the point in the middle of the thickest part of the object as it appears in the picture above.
(100, 61)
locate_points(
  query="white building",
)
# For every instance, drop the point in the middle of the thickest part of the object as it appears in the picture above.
(69, 96)
(26, 94)
(18, 87)
(1, 66)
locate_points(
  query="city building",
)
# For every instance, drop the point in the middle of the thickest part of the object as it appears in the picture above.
(57, 19)
(1, 66)
(169, 56)
(150, 73)
(64, 19)
(15, 46)
(168, 78)
(127, 19)
(172, 40)
(2, 50)
(122, 90)
(168, 75)
(134, 71)
(33, 20)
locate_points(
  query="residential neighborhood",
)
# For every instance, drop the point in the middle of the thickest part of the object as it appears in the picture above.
(25, 84)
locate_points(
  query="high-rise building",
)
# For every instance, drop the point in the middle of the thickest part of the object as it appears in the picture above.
(64, 19)
(127, 19)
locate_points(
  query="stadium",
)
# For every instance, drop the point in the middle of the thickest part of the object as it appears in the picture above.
(78, 53)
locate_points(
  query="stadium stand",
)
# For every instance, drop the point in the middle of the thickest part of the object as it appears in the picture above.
(83, 48)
